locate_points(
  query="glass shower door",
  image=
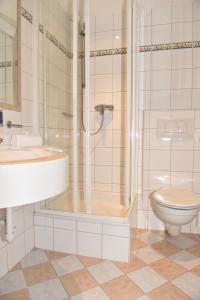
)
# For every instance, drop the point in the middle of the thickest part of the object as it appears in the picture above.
(55, 81)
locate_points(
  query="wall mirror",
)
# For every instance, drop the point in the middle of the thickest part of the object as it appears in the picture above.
(10, 79)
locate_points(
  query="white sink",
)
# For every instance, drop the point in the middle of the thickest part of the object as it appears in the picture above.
(29, 175)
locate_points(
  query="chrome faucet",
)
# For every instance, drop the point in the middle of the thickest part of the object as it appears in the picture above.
(10, 124)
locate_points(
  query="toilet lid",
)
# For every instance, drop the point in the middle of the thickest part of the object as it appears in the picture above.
(176, 197)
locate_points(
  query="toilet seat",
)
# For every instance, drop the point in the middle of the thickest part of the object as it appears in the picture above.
(177, 198)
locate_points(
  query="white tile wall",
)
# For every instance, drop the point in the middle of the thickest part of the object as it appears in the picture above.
(161, 15)
(116, 248)
(109, 87)
(65, 240)
(44, 237)
(88, 237)
(181, 32)
(16, 251)
(169, 88)
(3, 262)
(166, 163)
(89, 244)
(29, 239)
(161, 34)
(23, 243)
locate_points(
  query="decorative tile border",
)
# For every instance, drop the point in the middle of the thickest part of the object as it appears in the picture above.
(147, 48)
(26, 15)
(50, 37)
(108, 52)
(41, 28)
(116, 51)
(6, 64)
(58, 44)
(55, 42)
(171, 46)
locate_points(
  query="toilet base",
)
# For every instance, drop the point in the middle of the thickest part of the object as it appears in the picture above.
(173, 230)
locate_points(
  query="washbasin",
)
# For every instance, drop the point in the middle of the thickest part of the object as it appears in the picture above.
(29, 175)
(22, 155)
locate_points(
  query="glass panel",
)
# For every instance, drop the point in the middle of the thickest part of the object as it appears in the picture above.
(108, 92)
(81, 86)
(108, 107)
(9, 54)
(56, 85)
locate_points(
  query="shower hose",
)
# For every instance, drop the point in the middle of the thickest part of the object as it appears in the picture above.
(101, 125)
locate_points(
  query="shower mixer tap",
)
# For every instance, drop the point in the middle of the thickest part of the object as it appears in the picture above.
(67, 115)
(102, 107)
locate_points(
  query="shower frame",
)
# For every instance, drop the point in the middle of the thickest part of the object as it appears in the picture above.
(131, 119)
(131, 155)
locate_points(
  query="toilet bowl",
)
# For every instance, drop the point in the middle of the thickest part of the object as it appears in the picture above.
(175, 207)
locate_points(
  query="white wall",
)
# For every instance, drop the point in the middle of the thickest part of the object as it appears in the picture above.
(169, 89)
(108, 86)
(11, 254)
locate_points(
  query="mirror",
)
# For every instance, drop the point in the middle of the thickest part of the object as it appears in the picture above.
(10, 54)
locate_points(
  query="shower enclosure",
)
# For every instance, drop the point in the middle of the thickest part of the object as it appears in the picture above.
(87, 101)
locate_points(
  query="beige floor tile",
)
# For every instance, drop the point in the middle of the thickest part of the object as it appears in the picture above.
(54, 254)
(12, 282)
(35, 257)
(122, 288)
(39, 273)
(156, 259)
(137, 243)
(166, 248)
(16, 267)
(195, 250)
(189, 283)
(168, 268)
(134, 264)
(196, 271)
(194, 237)
(149, 237)
(182, 241)
(19, 295)
(137, 231)
(186, 259)
(105, 271)
(89, 261)
(67, 264)
(147, 279)
(161, 233)
(168, 292)
(144, 297)
(48, 290)
(92, 294)
(148, 254)
(78, 282)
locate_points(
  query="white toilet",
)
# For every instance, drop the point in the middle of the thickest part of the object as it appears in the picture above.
(175, 207)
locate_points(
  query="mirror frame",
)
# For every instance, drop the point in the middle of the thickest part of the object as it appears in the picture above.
(17, 105)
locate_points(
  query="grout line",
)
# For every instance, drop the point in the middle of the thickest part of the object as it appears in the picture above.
(171, 112)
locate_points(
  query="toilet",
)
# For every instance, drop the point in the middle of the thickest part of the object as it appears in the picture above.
(175, 207)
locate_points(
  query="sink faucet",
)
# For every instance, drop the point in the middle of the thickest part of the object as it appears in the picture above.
(10, 124)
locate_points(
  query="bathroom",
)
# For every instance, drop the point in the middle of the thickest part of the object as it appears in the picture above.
(100, 115)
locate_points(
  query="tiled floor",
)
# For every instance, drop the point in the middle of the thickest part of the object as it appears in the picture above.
(161, 268)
